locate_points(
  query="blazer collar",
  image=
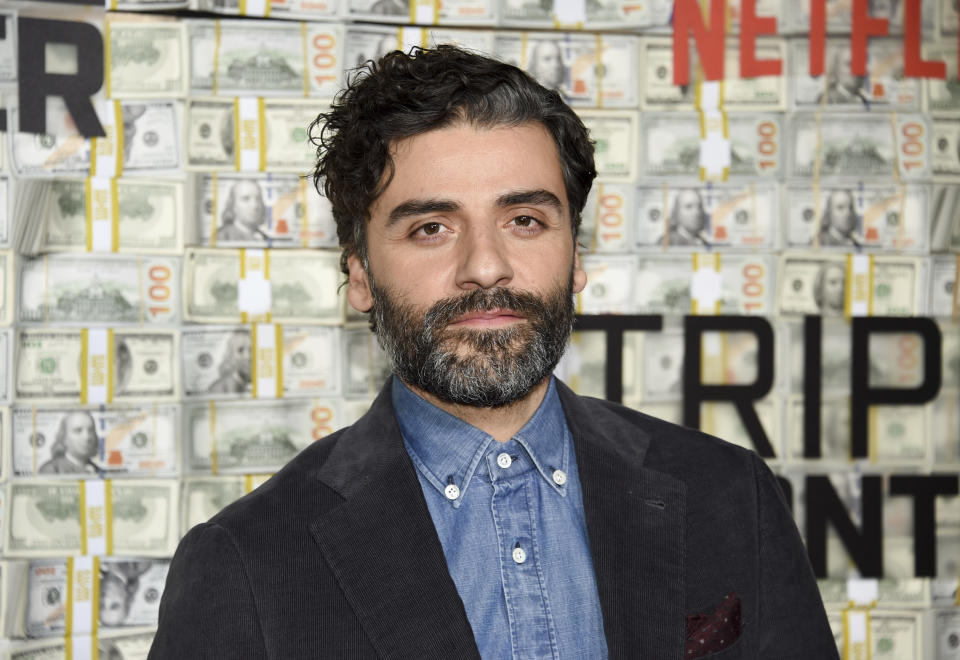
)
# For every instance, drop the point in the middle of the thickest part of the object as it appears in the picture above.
(382, 547)
(635, 521)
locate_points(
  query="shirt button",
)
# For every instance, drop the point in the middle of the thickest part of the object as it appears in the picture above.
(519, 555)
(559, 477)
(451, 491)
(504, 460)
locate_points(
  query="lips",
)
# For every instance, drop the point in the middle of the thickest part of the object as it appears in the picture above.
(487, 318)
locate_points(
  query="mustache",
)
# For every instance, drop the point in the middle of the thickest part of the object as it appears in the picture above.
(447, 310)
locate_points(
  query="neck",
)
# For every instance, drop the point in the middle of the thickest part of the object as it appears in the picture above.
(502, 422)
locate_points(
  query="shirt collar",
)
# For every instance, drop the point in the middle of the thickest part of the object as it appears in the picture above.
(447, 450)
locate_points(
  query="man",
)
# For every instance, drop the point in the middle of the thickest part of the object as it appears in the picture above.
(480, 508)
(75, 445)
(243, 214)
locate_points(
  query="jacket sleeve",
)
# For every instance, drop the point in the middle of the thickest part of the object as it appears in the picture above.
(207, 609)
(793, 623)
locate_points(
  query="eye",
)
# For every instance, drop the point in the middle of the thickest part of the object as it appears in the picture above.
(430, 228)
(525, 221)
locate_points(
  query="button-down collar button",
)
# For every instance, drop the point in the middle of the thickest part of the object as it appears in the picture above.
(519, 555)
(504, 460)
(451, 491)
(559, 477)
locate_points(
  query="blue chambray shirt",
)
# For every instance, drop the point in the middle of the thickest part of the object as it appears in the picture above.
(511, 522)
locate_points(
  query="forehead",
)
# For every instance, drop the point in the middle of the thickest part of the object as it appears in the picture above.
(464, 159)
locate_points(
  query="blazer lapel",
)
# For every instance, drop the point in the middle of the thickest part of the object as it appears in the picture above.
(382, 546)
(635, 521)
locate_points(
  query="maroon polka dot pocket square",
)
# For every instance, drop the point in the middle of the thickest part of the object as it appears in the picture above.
(710, 633)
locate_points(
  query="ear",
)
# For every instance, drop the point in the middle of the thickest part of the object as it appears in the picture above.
(579, 276)
(358, 285)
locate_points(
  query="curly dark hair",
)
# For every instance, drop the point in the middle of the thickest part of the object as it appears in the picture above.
(403, 95)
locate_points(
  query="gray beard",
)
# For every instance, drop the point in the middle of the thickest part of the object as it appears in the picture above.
(500, 365)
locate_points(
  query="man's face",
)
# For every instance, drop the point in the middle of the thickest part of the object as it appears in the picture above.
(239, 349)
(247, 204)
(548, 64)
(833, 287)
(473, 262)
(840, 211)
(688, 211)
(81, 437)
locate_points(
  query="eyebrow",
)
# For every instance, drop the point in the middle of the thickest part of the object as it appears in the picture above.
(415, 207)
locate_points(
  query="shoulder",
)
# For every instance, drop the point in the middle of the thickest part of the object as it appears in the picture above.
(684, 453)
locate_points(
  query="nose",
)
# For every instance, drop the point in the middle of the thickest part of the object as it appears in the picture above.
(483, 260)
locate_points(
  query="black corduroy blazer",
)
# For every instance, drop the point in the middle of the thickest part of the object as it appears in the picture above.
(336, 556)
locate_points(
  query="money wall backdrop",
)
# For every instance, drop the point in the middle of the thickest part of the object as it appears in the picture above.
(172, 331)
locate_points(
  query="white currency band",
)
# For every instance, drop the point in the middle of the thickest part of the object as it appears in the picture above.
(257, 7)
(81, 647)
(570, 11)
(98, 361)
(268, 350)
(409, 35)
(106, 147)
(857, 626)
(248, 114)
(860, 285)
(82, 584)
(706, 286)
(863, 591)
(253, 290)
(101, 224)
(95, 517)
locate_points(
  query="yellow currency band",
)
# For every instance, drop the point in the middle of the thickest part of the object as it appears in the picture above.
(108, 63)
(860, 650)
(216, 58)
(306, 57)
(94, 597)
(84, 365)
(262, 124)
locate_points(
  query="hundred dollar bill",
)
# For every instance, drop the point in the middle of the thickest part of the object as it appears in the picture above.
(947, 633)
(218, 360)
(265, 58)
(141, 367)
(838, 15)
(273, 137)
(302, 286)
(261, 211)
(817, 284)
(945, 218)
(860, 145)
(897, 634)
(13, 597)
(86, 441)
(365, 366)
(944, 421)
(585, 69)
(670, 144)
(6, 211)
(112, 290)
(759, 93)
(703, 216)
(129, 594)
(856, 217)
(148, 216)
(664, 284)
(606, 224)
(891, 593)
(6, 286)
(897, 434)
(478, 12)
(45, 518)
(253, 436)
(945, 149)
(46, 154)
(302, 9)
(943, 96)
(604, 13)
(366, 42)
(883, 88)
(145, 58)
(133, 644)
(609, 287)
(723, 420)
(204, 497)
(151, 136)
(944, 280)
(614, 134)
(6, 364)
